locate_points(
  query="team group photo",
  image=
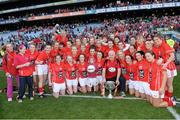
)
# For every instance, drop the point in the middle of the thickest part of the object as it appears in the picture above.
(89, 59)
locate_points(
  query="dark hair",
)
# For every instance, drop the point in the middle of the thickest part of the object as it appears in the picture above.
(80, 55)
(130, 56)
(140, 52)
(101, 53)
(92, 47)
(152, 53)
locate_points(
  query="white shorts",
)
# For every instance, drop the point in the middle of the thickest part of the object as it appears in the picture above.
(155, 94)
(100, 79)
(35, 73)
(92, 82)
(132, 84)
(42, 69)
(144, 87)
(72, 82)
(83, 81)
(171, 73)
(58, 87)
(137, 85)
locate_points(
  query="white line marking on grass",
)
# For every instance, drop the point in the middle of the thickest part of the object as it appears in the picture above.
(174, 113)
(99, 97)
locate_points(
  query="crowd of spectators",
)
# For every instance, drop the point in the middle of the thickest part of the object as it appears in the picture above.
(73, 8)
(124, 29)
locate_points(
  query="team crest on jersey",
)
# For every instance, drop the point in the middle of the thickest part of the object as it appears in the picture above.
(91, 68)
(73, 74)
(60, 74)
(131, 76)
(141, 73)
(150, 76)
(84, 73)
(123, 70)
(112, 69)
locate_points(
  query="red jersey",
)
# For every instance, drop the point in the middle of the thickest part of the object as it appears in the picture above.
(163, 52)
(8, 63)
(22, 59)
(132, 71)
(143, 71)
(82, 70)
(53, 54)
(100, 67)
(92, 70)
(71, 71)
(61, 39)
(58, 72)
(43, 56)
(101, 48)
(108, 49)
(111, 68)
(32, 56)
(123, 66)
(141, 47)
(155, 76)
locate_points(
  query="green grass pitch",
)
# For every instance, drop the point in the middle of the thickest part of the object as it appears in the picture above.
(82, 108)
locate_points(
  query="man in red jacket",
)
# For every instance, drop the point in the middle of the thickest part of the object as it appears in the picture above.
(10, 70)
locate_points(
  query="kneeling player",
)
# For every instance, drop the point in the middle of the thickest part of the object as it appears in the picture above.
(132, 73)
(57, 77)
(82, 73)
(158, 79)
(71, 76)
(91, 72)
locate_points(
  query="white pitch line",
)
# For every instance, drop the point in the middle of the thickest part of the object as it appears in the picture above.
(99, 97)
(86, 96)
(174, 113)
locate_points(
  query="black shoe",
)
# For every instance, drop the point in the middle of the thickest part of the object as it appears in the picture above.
(42, 96)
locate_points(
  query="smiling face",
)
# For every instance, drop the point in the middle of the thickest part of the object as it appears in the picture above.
(32, 48)
(110, 44)
(69, 59)
(9, 48)
(22, 49)
(58, 59)
(82, 58)
(128, 59)
(111, 55)
(139, 57)
(157, 41)
(148, 45)
(99, 55)
(48, 49)
(149, 57)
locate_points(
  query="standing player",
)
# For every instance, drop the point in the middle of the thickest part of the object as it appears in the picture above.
(42, 68)
(10, 70)
(57, 77)
(33, 54)
(123, 86)
(100, 79)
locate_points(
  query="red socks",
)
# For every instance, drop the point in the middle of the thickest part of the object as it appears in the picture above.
(40, 91)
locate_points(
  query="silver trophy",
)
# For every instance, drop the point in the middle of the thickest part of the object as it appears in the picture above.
(110, 85)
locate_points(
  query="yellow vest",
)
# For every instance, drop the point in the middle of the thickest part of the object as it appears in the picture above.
(170, 42)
